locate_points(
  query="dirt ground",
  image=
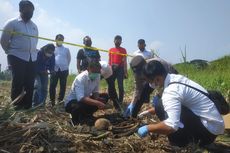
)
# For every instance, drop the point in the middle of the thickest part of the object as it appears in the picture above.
(48, 129)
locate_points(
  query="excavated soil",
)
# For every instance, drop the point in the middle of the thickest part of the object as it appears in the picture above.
(49, 129)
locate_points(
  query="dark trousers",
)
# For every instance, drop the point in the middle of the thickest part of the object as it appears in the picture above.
(62, 77)
(23, 76)
(193, 131)
(112, 93)
(144, 98)
(118, 74)
(83, 113)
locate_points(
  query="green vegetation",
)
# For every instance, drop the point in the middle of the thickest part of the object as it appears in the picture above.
(70, 79)
(5, 75)
(215, 76)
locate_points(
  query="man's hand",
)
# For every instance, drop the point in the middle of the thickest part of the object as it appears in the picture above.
(126, 75)
(143, 131)
(101, 99)
(100, 105)
(129, 110)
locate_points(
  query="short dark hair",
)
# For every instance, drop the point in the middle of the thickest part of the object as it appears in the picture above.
(141, 41)
(94, 64)
(59, 36)
(48, 47)
(117, 37)
(154, 68)
(137, 63)
(86, 37)
(24, 3)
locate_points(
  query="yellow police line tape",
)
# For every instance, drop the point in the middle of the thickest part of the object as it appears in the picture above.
(67, 43)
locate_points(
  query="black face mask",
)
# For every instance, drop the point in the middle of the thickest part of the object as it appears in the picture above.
(27, 15)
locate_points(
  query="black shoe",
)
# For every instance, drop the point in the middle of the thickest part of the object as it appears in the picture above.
(18, 107)
(52, 103)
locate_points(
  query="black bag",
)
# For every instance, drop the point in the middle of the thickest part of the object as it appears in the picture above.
(219, 101)
(215, 96)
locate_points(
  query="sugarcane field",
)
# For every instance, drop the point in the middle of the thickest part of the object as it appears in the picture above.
(117, 76)
(49, 129)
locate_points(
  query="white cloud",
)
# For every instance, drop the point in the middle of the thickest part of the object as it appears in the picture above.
(6, 10)
(48, 26)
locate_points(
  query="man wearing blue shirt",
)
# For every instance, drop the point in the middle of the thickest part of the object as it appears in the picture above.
(86, 55)
(45, 63)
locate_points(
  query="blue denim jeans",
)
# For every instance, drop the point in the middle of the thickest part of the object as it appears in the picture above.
(40, 89)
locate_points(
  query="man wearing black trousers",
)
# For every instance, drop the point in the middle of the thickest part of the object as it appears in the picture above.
(142, 87)
(21, 53)
(187, 115)
(62, 61)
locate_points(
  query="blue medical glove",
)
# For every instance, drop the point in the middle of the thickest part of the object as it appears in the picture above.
(155, 101)
(143, 131)
(129, 110)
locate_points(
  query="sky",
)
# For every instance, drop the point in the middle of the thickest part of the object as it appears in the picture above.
(167, 26)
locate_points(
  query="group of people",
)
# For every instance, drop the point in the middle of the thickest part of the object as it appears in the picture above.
(178, 107)
(30, 67)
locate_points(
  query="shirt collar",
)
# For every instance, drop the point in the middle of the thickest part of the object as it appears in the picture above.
(167, 80)
(87, 74)
(60, 46)
(142, 51)
(20, 19)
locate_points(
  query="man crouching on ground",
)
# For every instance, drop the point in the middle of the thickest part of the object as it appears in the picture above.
(187, 115)
(84, 98)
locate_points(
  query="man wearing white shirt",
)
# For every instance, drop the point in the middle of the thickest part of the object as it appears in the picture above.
(142, 51)
(84, 98)
(189, 115)
(62, 61)
(21, 53)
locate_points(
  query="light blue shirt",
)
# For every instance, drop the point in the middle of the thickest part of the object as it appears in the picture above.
(18, 45)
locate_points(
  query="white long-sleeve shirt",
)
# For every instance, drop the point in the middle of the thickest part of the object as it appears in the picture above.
(62, 58)
(18, 45)
(83, 87)
(175, 95)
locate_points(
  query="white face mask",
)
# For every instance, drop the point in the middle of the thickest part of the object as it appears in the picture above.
(48, 54)
(152, 85)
